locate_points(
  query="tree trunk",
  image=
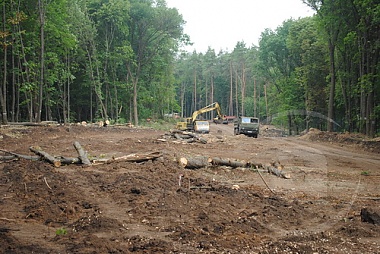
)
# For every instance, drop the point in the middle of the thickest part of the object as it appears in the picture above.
(266, 102)
(236, 94)
(41, 8)
(330, 123)
(3, 89)
(231, 106)
(135, 109)
(243, 85)
(254, 97)
(195, 91)
(182, 99)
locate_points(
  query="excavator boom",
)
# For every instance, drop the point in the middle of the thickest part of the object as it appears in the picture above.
(190, 122)
(213, 106)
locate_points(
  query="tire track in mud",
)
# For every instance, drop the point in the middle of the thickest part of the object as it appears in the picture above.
(323, 159)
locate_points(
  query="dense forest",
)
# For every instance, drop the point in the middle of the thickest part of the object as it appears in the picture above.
(90, 60)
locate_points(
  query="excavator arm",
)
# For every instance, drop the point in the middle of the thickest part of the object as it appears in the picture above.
(213, 106)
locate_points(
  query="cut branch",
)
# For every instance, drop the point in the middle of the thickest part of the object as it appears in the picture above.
(82, 154)
(45, 156)
(16, 155)
(277, 172)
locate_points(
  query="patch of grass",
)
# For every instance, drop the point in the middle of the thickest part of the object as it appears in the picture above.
(61, 231)
(364, 173)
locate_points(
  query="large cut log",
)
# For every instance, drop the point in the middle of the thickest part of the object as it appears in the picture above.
(195, 162)
(43, 123)
(277, 172)
(228, 162)
(132, 158)
(139, 157)
(177, 136)
(45, 156)
(82, 154)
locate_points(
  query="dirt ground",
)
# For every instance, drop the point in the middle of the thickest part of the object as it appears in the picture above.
(159, 207)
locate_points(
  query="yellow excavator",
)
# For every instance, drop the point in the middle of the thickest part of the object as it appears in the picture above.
(192, 122)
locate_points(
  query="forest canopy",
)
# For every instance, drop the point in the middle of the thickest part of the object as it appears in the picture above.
(90, 60)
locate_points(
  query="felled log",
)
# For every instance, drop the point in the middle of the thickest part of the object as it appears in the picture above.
(43, 123)
(277, 172)
(228, 162)
(45, 156)
(7, 157)
(194, 162)
(196, 137)
(132, 158)
(254, 164)
(16, 155)
(177, 136)
(68, 160)
(82, 154)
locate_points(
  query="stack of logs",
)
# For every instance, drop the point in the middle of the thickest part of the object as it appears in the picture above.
(187, 137)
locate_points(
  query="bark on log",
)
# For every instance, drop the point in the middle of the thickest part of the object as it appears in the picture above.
(177, 136)
(26, 157)
(68, 160)
(16, 155)
(229, 162)
(139, 157)
(253, 164)
(132, 158)
(43, 123)
(8, 157)
(197, 137)
(45, 156)
(277, 172)
(82, 154)
(195, 162)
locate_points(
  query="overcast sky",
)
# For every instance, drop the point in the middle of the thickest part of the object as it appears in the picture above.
(220, 24)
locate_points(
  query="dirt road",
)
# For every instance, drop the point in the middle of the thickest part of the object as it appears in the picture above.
(158, 206)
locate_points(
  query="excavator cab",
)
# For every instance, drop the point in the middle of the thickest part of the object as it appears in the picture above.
(191, 121)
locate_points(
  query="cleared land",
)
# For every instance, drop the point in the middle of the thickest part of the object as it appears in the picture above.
(158, 206)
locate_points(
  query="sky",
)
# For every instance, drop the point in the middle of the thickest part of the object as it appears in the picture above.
(220, 24)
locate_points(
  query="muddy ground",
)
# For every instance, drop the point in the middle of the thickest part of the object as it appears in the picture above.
(159, 207)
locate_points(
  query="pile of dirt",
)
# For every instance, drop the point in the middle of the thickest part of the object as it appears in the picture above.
(353, 139)
(156, 206)
(271, 131)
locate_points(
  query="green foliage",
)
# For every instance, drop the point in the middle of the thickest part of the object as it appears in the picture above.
(101, 57)
(61, 231)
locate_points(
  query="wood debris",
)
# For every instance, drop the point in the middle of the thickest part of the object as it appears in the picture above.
(82, 158)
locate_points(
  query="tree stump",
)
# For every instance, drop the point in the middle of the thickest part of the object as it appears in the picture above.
(370, 215)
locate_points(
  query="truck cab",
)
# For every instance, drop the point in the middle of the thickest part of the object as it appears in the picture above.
(247, 125)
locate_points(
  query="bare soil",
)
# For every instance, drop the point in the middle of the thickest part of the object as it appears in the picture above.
(159, 207)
